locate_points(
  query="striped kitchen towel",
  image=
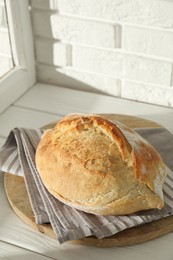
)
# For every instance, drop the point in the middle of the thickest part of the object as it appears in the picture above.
(17, 156)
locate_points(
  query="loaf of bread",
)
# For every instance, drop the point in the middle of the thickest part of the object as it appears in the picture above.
(100, 167)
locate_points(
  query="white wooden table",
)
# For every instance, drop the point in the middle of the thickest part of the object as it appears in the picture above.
(39, 106)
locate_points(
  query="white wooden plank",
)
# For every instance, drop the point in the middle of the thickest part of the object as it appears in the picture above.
(56, 100)
(17, 233)
(12, 252)
(20, 117)
(62, 101)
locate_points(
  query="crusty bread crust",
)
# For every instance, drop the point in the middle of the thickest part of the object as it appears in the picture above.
(100, 167)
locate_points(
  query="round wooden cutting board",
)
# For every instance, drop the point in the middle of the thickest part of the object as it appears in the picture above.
(19, 201)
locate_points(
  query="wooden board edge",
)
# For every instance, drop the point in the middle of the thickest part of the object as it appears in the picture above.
(131, 236)
(123, 238)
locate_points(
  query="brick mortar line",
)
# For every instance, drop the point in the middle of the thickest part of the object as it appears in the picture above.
(171, 81)
(118, 36)
(69, 55)
(76, 17)
(101, 20)
(120, 50)
(105, 75)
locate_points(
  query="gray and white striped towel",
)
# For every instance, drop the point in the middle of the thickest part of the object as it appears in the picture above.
(17, 156)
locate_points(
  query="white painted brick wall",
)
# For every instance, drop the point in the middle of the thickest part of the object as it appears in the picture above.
(118, 47)
(41, 23)
(74, 30)
(47, 47)
(44, 4)
(82, 31)
(122, 65)
(154, 42)
(145, 12)
(78, 79)
(147, 93)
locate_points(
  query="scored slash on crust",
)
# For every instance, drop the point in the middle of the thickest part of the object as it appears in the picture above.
(100, 166)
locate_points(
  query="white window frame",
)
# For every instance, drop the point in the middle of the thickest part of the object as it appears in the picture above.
(22, 76)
